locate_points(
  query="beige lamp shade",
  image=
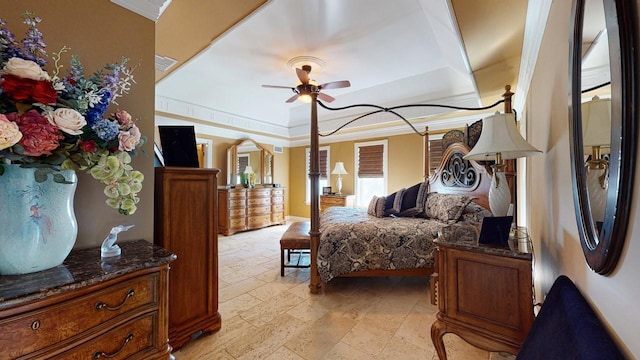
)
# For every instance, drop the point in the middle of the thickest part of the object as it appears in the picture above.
(339, 169)
(248, 170)
(596, 122)
(500, 136)
(500, 139)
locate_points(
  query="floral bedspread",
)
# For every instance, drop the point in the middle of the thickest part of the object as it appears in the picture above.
(351, 240)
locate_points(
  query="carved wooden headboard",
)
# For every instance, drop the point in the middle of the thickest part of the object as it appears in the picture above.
(455, 175)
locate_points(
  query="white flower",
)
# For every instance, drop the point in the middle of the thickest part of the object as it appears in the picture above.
(9, 133)
(67, 120)
(25, 69)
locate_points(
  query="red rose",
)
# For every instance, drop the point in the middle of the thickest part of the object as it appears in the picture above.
(28, 90)
(88, 146)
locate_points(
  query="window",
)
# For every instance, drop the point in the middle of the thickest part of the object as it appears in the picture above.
(323, 165)
(435, 154)
(371, 174)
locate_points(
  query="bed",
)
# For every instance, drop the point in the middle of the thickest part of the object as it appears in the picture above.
(351, 242)
(361, 242)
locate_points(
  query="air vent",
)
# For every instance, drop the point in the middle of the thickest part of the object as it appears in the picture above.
(163, 63)
(277, 149)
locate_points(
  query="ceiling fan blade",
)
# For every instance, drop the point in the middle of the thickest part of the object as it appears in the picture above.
(303, 76)
(325, 97)
(335, 84)
(277, 87)
(293, 98)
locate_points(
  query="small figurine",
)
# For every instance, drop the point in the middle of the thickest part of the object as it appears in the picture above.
(109, 247)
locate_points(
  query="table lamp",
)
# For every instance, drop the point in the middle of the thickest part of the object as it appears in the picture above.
(500, 139)
(339, 170)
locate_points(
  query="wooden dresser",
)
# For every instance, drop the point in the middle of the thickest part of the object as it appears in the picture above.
(88, 308)
(327, 201)
(185, 224)
(243, 209)
(484, 295)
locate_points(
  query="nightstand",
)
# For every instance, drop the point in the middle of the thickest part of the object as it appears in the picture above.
(327, 201)
(484, 295)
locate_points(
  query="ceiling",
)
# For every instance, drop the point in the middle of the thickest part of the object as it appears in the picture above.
(454, 52)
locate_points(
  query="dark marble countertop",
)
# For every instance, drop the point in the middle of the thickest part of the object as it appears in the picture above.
(83, 267)
(518, 247)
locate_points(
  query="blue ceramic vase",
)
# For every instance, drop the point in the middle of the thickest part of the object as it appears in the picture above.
(38, 226)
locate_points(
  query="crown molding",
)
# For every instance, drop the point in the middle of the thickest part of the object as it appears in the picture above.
(151, 9)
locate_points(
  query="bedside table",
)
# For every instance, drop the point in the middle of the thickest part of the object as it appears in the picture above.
(484, 295)
(327, 201)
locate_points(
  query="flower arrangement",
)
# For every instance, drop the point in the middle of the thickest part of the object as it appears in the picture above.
(55, 122)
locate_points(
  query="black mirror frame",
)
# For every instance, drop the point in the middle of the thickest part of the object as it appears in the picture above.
(602, 250)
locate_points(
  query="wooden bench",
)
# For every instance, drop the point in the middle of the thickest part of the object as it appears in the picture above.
(295, 239)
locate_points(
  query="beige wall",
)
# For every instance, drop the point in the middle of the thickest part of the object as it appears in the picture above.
(89, 29)
(405, 164)
(552, 220)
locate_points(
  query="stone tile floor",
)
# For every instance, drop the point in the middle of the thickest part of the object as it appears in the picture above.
(266, 316)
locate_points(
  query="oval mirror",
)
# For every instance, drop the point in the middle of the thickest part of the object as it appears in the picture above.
(602, 127)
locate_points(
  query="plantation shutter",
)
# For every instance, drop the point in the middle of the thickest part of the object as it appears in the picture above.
(370, 161)
(322, 163)
(243, 162)
(435, 153)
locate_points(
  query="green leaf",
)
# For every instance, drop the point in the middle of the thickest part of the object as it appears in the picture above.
(59, 178)
(40, 175)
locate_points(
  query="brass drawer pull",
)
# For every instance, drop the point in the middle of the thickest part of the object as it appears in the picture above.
(101, 305)
(101, 354)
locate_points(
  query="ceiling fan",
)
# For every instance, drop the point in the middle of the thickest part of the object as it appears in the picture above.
(308, 86)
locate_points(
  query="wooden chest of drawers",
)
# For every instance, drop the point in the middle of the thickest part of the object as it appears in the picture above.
(327, 201)
(88, 308)
(484, 295)
(232, 210)
(243, 209)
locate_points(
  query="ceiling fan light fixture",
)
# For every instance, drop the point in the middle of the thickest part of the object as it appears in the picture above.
(298, 62)
(306, 98)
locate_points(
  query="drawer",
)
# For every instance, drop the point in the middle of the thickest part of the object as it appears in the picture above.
(256, 193)
(277, 200)
(251, 202)
(277, 192)
(43, 327)
(120, 343)
(277, 218)
(237, 194)
(259, 221)
(277, 208)
(234, 213)
(258, 210)
(237, 204)
(333, 201)
(236, 224)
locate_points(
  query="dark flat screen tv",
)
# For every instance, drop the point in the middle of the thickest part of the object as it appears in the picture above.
(178, 145)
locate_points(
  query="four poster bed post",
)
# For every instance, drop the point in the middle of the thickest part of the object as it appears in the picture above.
(314, 174)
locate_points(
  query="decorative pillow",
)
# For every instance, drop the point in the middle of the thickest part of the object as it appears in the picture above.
(462, 232)
(371, 210)
(413, 201)
(393, 202)
(376, 206)
(475, 212)
(446, 207)
(409, 197)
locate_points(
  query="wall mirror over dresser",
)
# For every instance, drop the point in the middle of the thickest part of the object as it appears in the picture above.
(603, 125)
(249, 200)
(249, 157)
